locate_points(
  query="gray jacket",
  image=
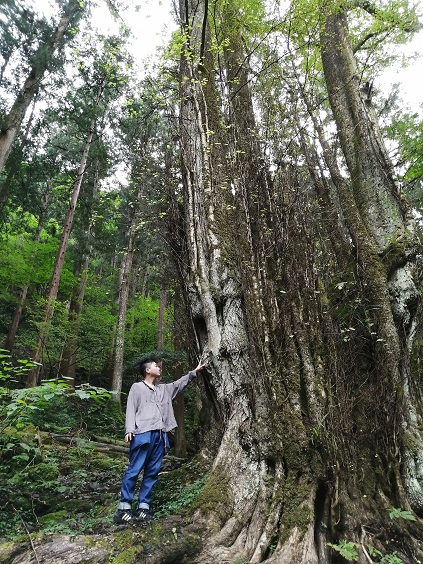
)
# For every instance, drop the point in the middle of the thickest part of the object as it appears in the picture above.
(148, 409)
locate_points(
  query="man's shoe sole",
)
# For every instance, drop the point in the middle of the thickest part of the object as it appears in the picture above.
(123, 521)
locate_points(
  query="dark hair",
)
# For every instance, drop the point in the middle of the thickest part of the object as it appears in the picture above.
(146, 363)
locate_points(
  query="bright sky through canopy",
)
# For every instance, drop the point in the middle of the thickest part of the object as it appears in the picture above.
(152, 23)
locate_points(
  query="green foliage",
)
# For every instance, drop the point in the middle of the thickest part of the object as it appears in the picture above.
(95, 336)
(407, 130)
(176, 490)
(180, 496)
(397, 513)
(391, 559)
(142, 334)
(383, 559)
(346, 549)
(20, 407)
(34, 477)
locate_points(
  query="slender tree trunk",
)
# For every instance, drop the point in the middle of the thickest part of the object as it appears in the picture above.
(58, 266)
(145, 277)
(110, 358)
(6, 59)
(43, 59)
(11, 335)
(68, 363)
(160, 318)
(180, 446)
(116, 383)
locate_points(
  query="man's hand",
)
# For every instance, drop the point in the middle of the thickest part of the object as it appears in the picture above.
(129, 437)
(199, 367)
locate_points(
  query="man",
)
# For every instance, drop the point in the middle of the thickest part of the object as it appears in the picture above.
(149, 417)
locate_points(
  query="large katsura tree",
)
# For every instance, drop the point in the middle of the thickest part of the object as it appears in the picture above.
(301, 282)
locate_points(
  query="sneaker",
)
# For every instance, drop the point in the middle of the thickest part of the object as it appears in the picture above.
(143, 515)
(123, 516)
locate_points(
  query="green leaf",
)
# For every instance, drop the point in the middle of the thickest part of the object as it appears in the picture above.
(397, 513)
(346, 549)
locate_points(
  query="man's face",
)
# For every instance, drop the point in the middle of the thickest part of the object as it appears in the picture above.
(153, 370)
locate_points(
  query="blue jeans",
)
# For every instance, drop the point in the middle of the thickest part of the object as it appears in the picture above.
(146, 452)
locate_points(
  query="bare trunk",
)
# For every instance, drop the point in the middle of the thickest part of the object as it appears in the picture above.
(160, 318)
(180, 448)
(68, 363)
(6, 57)
(43, 59)
(11, 335)
(70, 349)
(4, 191)
(116, 383)
(145, 277)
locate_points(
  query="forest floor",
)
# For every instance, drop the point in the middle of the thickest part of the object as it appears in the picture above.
(60, 505)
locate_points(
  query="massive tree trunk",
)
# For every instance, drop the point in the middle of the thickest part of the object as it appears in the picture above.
(310, 388)
(383, 233)
(42, 59)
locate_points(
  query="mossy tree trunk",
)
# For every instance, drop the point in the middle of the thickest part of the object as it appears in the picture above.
(308, 340)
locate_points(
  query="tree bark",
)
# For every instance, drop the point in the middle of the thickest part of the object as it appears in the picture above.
(67, 366)
(180, 448)
(160, 317)
(42, 60)
(296, 396)
(126, 268)
(68, 362)
(4, 191)
(386, 244)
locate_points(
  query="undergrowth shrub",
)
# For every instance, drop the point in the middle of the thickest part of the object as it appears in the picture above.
(37, 473)
(175, 490)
